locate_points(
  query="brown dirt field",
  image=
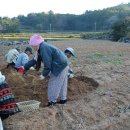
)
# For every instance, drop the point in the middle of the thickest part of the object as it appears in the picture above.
(99, 63)
(32, 88)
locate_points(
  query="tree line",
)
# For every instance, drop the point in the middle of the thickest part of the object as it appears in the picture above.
(90, 21)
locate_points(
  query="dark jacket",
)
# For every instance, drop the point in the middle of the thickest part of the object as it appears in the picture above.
(53, 58)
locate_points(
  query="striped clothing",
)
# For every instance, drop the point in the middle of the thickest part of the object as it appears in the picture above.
(57, 86)
(7, 100)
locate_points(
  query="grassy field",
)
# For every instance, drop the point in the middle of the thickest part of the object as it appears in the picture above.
(51, 36)
(48, 36)
(105, 57)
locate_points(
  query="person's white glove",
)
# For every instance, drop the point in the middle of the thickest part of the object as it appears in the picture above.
(42, 77)
(32, 68)
(70, 75)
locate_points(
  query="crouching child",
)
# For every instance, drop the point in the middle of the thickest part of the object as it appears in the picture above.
(69, 52)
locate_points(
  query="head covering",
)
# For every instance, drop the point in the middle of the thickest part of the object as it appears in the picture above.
(28, 49)
(17, 48)
(2, 77)
(71, 50)
(35, 40)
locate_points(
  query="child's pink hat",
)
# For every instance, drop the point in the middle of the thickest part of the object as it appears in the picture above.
(35, 40)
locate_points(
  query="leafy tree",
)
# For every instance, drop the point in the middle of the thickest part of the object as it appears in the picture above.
(9, 25)
(97, 20)
(119, 29)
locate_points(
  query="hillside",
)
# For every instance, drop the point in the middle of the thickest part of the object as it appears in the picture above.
(90, 21)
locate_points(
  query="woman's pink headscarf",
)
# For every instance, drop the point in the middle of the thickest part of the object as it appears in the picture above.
(35, 40)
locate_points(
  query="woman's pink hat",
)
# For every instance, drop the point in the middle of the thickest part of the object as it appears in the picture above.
(35, 40)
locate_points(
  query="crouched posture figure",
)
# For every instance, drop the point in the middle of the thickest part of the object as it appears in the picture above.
(55, 64)
(8, 105)
(69, 52)
(23, 58)
(12, 56)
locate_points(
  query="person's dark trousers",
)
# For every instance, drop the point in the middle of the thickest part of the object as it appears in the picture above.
(4, 116)
(38, 64)
(29, 64)
(12, 65)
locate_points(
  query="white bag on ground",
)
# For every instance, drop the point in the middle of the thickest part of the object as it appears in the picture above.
(1, 126)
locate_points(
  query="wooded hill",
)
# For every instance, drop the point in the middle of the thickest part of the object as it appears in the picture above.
(98, 20)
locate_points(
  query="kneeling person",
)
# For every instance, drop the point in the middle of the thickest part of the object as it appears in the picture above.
(8, 105)
(69, 52)
(23, 58)
(12, 56)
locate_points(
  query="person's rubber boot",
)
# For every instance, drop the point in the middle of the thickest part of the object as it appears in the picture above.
(51, 104)
(62, 101)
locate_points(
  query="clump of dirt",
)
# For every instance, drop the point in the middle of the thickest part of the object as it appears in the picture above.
(32, 88)
(80, 86)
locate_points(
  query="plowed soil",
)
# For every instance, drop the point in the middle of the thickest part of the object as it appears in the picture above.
(98, 96)
(32, 88)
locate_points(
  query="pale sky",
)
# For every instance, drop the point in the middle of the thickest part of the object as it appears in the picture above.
(13, 8)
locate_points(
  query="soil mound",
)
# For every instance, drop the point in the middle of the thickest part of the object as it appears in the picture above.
(32, 88)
